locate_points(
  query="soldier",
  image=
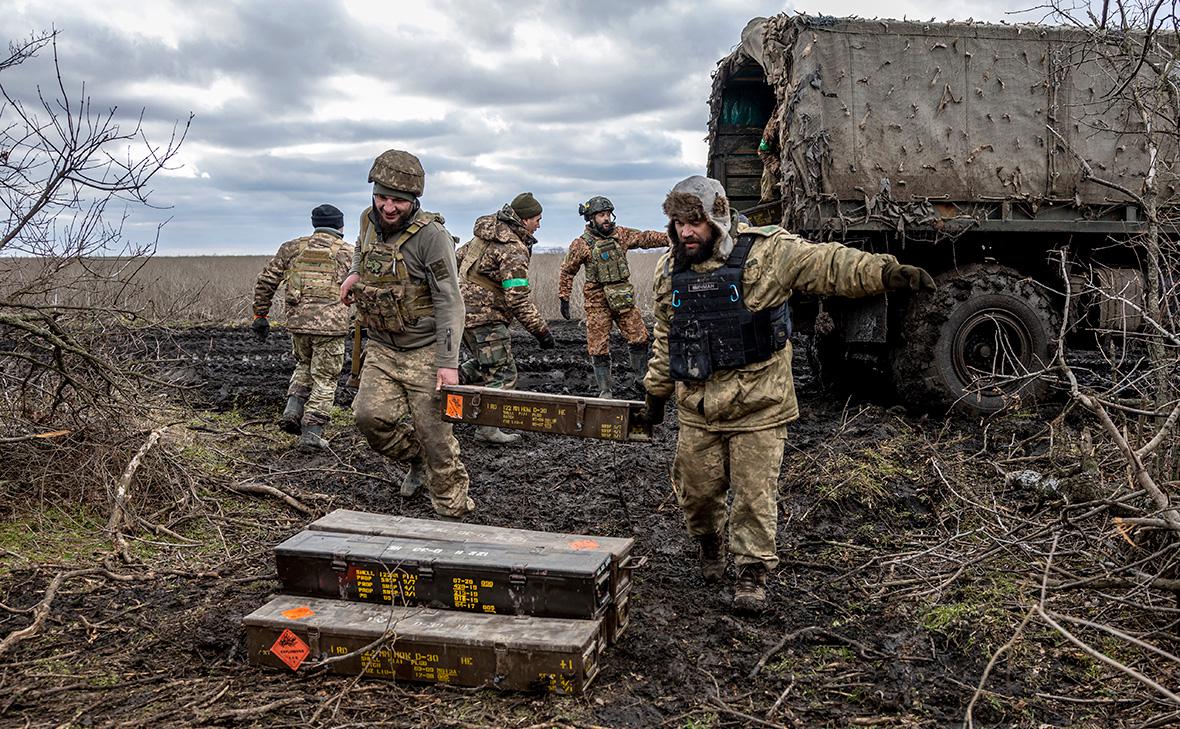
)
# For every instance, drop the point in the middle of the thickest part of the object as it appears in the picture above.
(406, 289)
(722, 346)
(311, 268)
(494, 278)
(608, 294)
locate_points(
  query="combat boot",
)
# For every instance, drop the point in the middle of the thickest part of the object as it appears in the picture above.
(293, 415)
(414, 479)
(749, 594)
(638, 356)
(712, 554)
(602, 375)
(495, 436)
(313, 438)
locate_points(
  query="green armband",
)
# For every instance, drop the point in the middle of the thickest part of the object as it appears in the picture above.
(512, 283)
(763, 146)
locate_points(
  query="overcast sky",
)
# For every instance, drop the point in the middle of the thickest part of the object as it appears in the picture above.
(292, 101)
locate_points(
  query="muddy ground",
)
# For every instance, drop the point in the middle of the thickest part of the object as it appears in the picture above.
(906, 566)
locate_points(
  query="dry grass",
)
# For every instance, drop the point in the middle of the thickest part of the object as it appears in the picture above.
(220, 289)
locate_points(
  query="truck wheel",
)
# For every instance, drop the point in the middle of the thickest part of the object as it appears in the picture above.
(973, 343)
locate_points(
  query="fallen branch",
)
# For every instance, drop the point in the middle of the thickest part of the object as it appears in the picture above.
(123, 493)
(41, 609)
(251, 487)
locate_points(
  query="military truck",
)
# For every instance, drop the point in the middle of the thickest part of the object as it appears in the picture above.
(955, 146)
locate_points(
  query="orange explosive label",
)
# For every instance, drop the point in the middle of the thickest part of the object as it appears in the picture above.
(298, 613)
(583, 544)
(454, 406)
(290, 649)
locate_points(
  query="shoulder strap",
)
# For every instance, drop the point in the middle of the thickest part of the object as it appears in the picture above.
(468, 272)
(741, 250)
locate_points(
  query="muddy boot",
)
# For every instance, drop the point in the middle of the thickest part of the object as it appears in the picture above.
(602, 374)
(414, 479)
(712, 553)
(293, 415)
(495, 436)
(749, 594)
(313, 438)
(638, 356)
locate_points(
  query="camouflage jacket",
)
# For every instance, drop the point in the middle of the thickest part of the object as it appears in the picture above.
(761, 394)
(312, 275)
(496, 286)
(579, 254)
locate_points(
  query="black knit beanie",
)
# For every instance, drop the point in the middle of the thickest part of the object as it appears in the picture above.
(327, 216)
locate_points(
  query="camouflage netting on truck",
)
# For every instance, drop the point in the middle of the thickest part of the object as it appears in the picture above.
(909, 124)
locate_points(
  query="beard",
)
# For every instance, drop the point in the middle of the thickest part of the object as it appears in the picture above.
(605, 228)
(682, 259)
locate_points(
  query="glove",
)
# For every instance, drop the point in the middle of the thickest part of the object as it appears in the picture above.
(565, 309)
(652, 412)
(898, 276)
(261, 327)
(545, 340)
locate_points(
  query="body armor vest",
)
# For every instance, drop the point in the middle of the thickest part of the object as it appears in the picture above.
(711, 329)
(312, 274)
(387, 299)
(608, 261)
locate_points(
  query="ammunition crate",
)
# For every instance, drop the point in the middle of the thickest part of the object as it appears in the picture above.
(618, 549)
(584, 417)
(513, 652)
(489, 578)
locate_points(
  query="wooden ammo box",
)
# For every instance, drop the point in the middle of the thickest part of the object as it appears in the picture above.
(489, 578)
(618, 549)
(585, 417)
(439, 646)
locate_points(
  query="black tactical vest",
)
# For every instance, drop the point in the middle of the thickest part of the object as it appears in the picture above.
(711, 328)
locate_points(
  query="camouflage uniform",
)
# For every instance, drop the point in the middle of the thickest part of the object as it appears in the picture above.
(599, 315)
(732, 425)
(495, 285)
(312, 269)
(408, 297)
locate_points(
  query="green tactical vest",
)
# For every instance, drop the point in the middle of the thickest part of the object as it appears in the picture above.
(608, 261)
(312, 274)
(387, 299)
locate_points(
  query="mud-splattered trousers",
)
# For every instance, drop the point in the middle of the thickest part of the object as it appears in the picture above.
(708, 464)
(318, 362)
(492, 363)
(398, 412)
(599, 318)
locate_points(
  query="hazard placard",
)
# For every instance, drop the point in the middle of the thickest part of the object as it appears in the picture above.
(455, 406)
(290, 649)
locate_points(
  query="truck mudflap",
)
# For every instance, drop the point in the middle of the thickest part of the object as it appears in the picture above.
(487, 578)
(513, 652)
(582, 417)
(618, 549)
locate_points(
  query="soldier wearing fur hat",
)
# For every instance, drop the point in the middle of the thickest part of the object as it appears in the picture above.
(494, 278)
(608, 294)
(722, 347)
(311, 268)
(406, 289)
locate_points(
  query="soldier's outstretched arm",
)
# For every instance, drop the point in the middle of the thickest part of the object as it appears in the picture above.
(632, 238)
(791, 263)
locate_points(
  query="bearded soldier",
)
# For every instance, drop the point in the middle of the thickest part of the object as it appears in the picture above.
(494, 278)
(608, 293)
(722, 347)
(311, 268)
(406, 289)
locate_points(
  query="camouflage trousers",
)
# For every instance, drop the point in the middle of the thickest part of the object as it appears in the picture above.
(599, 318)
(399, 413)
(492, 363)
(318, 361)
(708, 464)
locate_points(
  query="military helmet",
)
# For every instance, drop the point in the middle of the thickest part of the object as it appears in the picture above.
(398, 170)
(595, 205)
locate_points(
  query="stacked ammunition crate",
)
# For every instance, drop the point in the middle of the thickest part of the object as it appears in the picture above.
(421, 600)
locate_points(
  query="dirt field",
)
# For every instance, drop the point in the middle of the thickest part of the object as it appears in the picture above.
(907, 564)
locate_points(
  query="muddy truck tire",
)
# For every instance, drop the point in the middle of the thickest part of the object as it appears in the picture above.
(974, 344)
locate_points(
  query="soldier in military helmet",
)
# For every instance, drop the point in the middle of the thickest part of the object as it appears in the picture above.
(494, 278)
(722, 347)
(405, 286)
(608, 294)
(312, 269)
